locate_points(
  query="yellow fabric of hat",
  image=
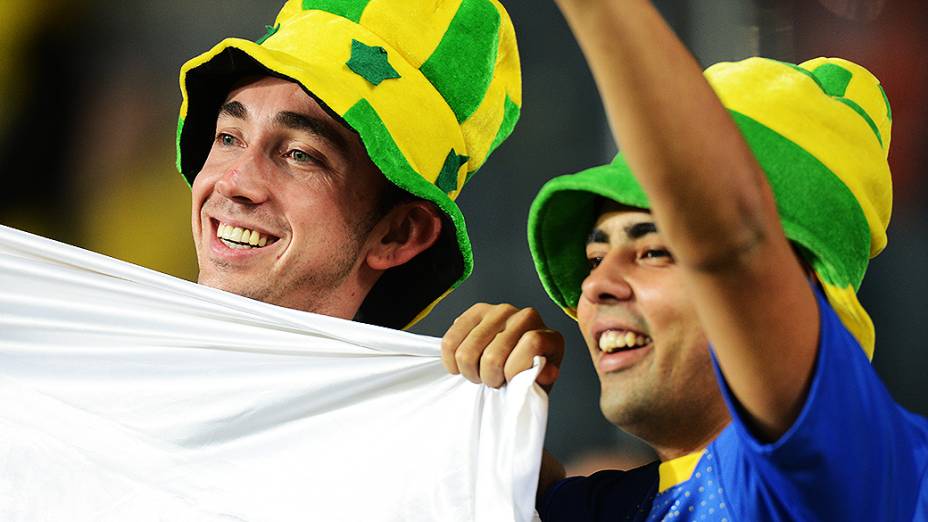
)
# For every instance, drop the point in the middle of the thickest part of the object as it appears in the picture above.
(837, 112)
(432, 88)
(821, 132)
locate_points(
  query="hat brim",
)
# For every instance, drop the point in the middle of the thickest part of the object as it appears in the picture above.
(402, 295)
(561, 219)
(564, 211)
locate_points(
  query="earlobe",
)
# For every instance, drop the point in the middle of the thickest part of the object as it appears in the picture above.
(405, 232)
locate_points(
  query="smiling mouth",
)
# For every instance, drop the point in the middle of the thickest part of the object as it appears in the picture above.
(612, 341)
(238, 238)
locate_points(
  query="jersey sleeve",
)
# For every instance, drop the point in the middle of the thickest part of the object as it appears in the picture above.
(852, 453)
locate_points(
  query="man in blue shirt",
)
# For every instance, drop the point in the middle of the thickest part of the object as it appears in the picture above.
(716, 288)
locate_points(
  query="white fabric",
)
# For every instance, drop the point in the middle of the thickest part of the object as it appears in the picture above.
(130, 395)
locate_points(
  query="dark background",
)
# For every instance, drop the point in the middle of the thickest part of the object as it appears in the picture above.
(89, 112)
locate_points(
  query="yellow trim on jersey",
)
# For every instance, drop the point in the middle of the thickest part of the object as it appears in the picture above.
(678, 470)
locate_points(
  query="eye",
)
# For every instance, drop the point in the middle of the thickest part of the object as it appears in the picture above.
(594, 261)
(300, 156)
(656, 256)
(655, 252)
(225, 139)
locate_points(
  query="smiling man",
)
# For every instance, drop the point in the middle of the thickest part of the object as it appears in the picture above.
(325, 158)
(646, 390)
(286, 203)
(716, 287)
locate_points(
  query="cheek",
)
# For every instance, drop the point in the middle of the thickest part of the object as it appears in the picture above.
(313, 215)
(685, 344)
(199, 193)
(673, 323)
(199, 190)
(695, 369)
(585, 316)
(665, 301)
(204, 183)
(584, 313)
(347, 209)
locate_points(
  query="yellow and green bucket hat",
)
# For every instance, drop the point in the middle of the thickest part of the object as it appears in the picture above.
(432, 87)
(821, 132)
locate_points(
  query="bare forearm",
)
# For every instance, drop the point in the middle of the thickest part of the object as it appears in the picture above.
(704, 185)
(711, 203)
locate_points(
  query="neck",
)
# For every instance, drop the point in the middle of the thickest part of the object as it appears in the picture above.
(345, 300)
(682, 431)
(671, 450)
(342, 299)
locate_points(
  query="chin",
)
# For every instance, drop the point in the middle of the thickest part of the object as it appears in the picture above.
(614, 410)
(622, 409)
(227, 284)
(210, 280)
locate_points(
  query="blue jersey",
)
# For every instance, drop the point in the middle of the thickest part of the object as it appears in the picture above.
(852, 454)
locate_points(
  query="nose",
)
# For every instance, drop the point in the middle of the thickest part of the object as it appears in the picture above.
(246, 180)
(607, 283)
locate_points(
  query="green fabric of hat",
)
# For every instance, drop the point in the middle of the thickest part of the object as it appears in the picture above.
(431, 87)
(821, 132)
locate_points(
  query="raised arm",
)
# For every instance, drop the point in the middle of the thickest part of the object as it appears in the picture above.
(711, 202)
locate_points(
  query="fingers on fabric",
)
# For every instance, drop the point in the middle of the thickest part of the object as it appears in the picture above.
(544, 342)
(473, 333)
(492, 343)
(456, 335)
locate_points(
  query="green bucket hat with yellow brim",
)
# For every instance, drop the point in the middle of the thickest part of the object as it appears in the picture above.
(820, 131)
(431, 88)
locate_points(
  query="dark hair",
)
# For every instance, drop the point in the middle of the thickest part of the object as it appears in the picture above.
(391, 197)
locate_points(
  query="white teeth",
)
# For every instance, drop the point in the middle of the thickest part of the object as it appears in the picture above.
(619, 341)
(613, 340)
(235, 246)
(238, 237)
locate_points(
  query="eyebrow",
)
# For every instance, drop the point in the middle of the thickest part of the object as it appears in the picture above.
(234, 109)
(316, 126)
(597, 236)
(635, 231)
(639, 230)
(291, 120)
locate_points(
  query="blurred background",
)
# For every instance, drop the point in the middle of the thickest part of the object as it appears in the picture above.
(89, 114)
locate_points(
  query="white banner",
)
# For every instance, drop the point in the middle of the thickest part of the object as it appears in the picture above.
(129, 395)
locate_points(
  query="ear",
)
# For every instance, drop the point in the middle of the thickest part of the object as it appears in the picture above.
(405, 232)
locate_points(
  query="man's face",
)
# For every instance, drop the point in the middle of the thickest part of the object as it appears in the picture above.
(285, 200)
(642, 331)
